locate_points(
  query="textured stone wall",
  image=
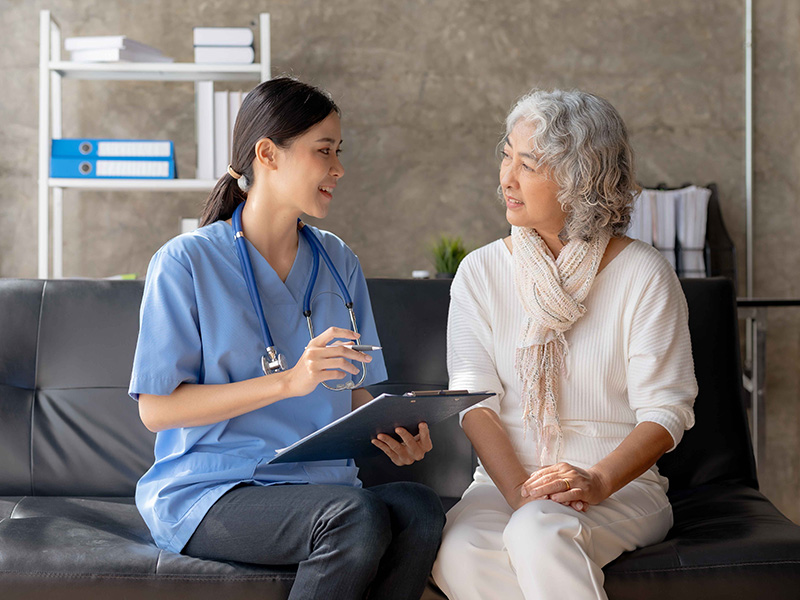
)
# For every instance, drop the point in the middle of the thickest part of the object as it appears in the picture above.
(424, 86)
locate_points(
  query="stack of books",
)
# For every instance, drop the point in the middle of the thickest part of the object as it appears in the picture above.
(111, 48)
(223, 45)
(216, 115)
(115, 159)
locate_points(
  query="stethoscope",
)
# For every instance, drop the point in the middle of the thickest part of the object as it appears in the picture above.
(273, 361)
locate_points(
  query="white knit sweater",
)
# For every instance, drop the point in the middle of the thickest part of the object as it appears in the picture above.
(629, 359)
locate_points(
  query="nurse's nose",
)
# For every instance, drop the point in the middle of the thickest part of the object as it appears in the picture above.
(337, 169)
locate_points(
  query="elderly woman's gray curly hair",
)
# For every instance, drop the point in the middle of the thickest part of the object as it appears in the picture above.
(582, 142)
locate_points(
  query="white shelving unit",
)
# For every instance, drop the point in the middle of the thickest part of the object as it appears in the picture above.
(52, 70)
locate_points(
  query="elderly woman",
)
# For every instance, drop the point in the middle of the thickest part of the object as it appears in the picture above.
(583, 335)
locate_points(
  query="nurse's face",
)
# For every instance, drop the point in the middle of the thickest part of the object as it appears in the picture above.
(531, 196)
(309, 169)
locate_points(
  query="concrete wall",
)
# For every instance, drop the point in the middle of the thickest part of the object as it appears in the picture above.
(424, 86)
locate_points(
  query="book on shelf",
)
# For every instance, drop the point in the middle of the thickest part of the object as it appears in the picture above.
(189, 224)
(107, 148)
(96, 42)
(90, 158)
(221, 134)
(216, 116)
(224, 55)
(234, 103)
(204, 105)
(117, 168)
(223, 36)
(117, 55)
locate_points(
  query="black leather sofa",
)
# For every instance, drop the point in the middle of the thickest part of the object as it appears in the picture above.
(72, 448)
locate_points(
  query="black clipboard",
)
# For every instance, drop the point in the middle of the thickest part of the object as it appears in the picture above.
(351, 435)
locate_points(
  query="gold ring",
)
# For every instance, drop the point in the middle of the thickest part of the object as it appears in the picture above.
(569, 487)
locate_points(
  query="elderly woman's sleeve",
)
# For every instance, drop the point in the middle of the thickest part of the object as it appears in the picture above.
(470, 348)
(661, 381)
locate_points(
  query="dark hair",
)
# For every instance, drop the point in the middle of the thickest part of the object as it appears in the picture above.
(280, 109)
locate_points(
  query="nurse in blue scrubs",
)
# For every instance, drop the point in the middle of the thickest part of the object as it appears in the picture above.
(219, 418)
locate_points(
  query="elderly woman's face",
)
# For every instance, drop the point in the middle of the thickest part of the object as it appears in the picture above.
(531, 196)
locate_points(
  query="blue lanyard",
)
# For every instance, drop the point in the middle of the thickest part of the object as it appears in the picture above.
(274, 361)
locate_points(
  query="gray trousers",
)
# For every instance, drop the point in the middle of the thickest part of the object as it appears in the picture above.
(349, 542)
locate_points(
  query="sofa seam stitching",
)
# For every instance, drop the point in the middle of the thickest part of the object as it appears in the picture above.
(699, 567)
(197, 577)
(36, 383)
(13, 510)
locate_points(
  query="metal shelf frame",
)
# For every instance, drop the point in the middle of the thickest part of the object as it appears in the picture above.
(52, 70)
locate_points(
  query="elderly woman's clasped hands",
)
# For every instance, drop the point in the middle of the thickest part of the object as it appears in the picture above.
(565, 484)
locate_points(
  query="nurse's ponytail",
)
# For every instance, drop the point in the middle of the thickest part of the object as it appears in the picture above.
(280, 109)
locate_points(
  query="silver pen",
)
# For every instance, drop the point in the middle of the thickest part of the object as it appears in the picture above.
(364, 348)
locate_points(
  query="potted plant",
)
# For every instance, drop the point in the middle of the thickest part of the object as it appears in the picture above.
(447, 254)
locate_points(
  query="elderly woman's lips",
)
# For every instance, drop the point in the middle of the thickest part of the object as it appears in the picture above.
(513, 202)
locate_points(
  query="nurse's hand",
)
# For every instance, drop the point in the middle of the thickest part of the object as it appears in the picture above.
(409, 449)
(321, 362)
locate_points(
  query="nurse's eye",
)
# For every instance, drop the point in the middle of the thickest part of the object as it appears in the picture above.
(326, 151)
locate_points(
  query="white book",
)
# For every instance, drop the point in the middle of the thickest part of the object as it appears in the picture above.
(665, 224)
(223, 36)
(224, 55)
(117, 55)
(221, 159)
(204, 90)
(189, 224)
(234, 102)
(692, 212)
(642, 218)
(106, 41)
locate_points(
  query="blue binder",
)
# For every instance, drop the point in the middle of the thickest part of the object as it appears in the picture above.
(120, 168)
(106, 148)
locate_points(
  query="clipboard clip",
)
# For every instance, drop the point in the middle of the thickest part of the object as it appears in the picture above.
(436, 393)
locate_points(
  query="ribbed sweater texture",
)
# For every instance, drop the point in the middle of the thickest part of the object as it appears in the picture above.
(629, 357)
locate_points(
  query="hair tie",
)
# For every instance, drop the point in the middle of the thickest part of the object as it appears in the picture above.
(241, 180)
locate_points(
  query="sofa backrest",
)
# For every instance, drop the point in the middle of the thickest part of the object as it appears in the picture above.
(718, 447)
(411, 317)
(67, 424)
(68, 427)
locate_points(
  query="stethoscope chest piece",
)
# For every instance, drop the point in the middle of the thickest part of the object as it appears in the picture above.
(272, 362)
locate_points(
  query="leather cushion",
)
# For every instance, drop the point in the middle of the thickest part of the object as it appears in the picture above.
(728, 541)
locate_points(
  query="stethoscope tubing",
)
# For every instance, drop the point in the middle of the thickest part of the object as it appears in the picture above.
(317, 250)
(249, 277)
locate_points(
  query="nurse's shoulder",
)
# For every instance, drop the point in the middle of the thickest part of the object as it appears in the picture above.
(340, 253)
(195, 247)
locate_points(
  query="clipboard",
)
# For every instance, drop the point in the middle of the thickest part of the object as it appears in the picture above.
(351, 435)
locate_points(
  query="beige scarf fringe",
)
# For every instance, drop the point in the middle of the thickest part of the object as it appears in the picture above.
(551, 291)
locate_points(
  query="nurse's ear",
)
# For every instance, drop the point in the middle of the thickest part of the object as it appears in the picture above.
(267, 153)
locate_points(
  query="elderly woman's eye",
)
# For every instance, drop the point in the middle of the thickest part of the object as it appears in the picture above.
(504, 155)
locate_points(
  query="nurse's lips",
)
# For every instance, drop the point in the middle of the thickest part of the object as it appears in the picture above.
(327, 191)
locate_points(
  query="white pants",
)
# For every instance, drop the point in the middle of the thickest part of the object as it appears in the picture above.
(543, 550)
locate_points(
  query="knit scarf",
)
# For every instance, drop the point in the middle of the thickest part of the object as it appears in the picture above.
(551, 291)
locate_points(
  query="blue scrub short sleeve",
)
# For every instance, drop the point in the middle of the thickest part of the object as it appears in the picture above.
(168, 351)
(376, 370)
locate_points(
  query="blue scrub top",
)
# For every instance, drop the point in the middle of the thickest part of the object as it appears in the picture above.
(198, 325)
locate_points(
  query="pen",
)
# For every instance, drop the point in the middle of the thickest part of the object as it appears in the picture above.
(364, 348)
